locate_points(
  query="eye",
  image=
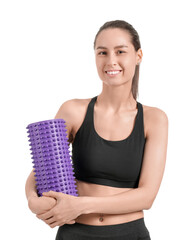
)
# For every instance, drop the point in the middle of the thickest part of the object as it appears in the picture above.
(119, 51)
(102, 53)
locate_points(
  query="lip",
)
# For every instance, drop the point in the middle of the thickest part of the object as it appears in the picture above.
(113, 75)
(113, 70)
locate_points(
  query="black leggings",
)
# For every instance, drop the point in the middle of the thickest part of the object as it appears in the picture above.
(134, 230)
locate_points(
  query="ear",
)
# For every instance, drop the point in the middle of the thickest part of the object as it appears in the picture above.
(139, 55)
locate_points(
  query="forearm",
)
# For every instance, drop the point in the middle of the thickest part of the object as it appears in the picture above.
(30, 187)
(126, 202)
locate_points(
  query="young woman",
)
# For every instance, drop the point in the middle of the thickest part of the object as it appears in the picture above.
(119, 150)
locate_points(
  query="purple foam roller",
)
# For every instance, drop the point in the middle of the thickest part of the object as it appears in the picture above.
(50, 153)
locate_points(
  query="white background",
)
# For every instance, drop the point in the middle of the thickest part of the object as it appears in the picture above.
(46, 58)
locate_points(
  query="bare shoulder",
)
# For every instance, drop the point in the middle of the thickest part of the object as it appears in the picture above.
(154, 118)
(73, 112)
(72, 106)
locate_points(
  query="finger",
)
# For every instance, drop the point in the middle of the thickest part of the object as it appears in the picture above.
(50, 221)
(71, 222)
(61, 224)
(51, 194)
(45, 216)
(54, 224)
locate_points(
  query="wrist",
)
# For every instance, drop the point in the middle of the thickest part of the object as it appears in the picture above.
(86, 205)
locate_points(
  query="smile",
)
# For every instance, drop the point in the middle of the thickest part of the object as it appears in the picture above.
(113, 73)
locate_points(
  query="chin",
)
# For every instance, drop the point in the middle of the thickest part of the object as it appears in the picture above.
(113, 83)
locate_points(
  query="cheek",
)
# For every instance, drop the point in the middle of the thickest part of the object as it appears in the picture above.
(129, 61)
(129, 64)
(97, 62)
(129, 69)
(99, 65)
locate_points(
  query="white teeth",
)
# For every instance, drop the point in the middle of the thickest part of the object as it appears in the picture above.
(113, 72)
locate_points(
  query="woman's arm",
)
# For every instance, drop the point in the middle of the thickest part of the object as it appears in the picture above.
(41, 205)
(37, 205)
(151, 174)
(30, 187)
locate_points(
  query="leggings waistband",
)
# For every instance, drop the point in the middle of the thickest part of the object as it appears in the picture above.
(108, 230)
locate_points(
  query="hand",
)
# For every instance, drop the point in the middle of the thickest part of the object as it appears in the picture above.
(66, 210)
(40, 205)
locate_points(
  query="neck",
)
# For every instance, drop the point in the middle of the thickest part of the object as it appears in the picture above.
(116, 98)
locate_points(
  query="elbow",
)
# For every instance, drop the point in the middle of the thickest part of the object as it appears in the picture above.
(147, 198)
(149, 203)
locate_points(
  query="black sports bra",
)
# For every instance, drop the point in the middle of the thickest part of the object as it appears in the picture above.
(105, 162)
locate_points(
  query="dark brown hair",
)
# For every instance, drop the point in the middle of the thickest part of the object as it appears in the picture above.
(134, 40)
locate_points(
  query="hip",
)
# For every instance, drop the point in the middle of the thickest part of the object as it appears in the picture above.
(133, 230)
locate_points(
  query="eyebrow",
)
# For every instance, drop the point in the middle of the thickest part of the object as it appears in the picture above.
(119, 46)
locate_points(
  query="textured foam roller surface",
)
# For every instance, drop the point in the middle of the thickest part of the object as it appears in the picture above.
(51, 157)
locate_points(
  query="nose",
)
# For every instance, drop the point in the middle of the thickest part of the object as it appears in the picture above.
(111, 60)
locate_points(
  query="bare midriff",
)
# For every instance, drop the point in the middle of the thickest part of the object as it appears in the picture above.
(96, 190)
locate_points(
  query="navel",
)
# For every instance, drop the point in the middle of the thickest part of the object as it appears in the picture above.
(101, 219)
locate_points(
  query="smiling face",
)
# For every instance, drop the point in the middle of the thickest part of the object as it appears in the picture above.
(116, 57)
